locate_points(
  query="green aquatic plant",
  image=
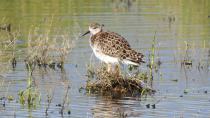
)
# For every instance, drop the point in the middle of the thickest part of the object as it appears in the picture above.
(152, 57)
(154, 61)
(31, 95)
(10, 98)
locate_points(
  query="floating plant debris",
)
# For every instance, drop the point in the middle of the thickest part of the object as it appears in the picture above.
(148, 106)
(153, 106)
(205, 91)
(187, 62)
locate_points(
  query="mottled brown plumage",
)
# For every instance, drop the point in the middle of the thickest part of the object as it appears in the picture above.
(114, 45)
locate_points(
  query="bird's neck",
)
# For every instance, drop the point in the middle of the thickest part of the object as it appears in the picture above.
(95, 33)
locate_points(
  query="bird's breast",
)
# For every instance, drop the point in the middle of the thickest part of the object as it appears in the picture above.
(91, 42)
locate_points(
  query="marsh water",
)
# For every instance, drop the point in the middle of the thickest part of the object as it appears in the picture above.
(181, 30)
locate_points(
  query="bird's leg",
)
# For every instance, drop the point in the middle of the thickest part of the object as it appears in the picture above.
(124, 69)
(109, 67)
(117, 69)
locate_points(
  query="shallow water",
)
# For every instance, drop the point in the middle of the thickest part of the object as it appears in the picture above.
(181, 91)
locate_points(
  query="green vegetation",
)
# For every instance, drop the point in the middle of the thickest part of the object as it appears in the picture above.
(31, 95)
(152, 57)
(39, 34)
(44, 50)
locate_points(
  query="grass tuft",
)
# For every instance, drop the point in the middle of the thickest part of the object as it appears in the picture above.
(116, 84)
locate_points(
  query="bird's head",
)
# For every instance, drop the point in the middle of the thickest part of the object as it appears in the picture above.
(94, 28)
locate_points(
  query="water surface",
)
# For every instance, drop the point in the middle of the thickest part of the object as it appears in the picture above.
(181, 91)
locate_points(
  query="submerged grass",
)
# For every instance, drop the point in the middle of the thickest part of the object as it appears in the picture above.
(46, 50)
(8, 39)
(152, 57)
(31, 95)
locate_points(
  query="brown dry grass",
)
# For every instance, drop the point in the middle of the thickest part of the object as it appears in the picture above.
(105, 83)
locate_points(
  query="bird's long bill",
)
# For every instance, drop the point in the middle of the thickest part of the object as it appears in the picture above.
(86, 33)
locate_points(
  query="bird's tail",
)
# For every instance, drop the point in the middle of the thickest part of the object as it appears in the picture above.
(133, 58)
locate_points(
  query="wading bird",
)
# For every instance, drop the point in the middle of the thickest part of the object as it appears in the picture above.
(112, 48)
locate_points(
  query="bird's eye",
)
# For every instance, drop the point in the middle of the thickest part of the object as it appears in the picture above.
(94, 27)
